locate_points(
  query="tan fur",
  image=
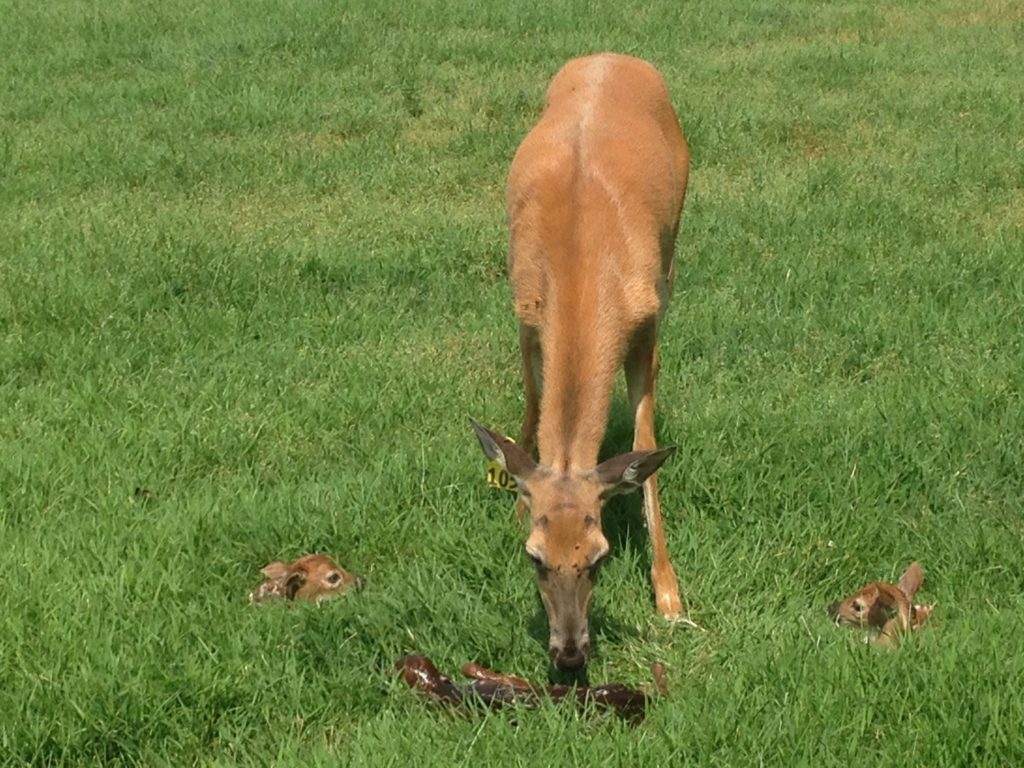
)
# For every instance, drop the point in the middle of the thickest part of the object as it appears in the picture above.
(594, 197)
(888, 608)
(313, 577)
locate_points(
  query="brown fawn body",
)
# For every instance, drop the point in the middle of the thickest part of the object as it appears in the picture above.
(888, 608)
(594, 197)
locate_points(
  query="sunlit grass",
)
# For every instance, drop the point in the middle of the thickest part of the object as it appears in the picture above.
(252, 259)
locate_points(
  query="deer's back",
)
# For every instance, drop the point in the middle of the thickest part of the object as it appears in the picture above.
(595, 191)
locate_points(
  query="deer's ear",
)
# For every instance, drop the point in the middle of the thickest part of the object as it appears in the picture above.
(496, 447)
(911, 580)
(275, 570)
(628, 471)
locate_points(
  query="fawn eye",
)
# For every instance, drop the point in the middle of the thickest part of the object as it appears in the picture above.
(858, 606)
(334, 578)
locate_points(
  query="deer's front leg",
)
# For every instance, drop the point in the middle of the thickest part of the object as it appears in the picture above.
(641, 372)
(529, 345)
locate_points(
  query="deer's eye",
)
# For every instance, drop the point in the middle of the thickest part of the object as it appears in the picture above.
(858, 606)
(536, 560)
(333, 578)
(598, 562)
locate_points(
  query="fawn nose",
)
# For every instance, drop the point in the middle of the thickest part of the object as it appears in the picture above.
(833, 610)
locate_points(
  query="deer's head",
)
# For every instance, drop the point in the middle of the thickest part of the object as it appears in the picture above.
(566, 544)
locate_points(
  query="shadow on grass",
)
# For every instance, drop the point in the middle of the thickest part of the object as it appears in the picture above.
(623, 518)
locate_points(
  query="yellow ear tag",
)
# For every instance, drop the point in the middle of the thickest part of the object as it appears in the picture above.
(498, 476)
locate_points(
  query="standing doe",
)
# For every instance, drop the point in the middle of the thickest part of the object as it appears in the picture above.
(594, 197)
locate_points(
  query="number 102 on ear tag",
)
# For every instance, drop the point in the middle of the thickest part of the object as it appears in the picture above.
(498, 477)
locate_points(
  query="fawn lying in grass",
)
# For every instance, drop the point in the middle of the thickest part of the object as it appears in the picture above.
(313, 577)
(886, 607)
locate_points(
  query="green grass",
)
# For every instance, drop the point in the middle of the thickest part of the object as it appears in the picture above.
(252, 259)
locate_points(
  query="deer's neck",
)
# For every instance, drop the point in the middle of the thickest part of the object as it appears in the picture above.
(581, 351)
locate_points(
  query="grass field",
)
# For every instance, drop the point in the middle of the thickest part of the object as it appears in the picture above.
(252, 259)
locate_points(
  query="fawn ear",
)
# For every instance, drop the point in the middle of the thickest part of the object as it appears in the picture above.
(628, 471)
(496, 447)
(275, 570)
(911, 580)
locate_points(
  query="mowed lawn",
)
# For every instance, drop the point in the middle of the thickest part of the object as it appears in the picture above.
(252, 260)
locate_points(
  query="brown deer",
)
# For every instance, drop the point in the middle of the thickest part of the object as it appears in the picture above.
(594, 197)
(888, 608)
(314, 578)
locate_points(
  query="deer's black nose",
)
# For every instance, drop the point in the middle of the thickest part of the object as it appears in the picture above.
(570, 661)
(571, 657)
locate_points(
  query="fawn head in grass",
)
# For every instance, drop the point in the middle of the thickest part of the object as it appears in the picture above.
(888, 608)
(314, 578)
